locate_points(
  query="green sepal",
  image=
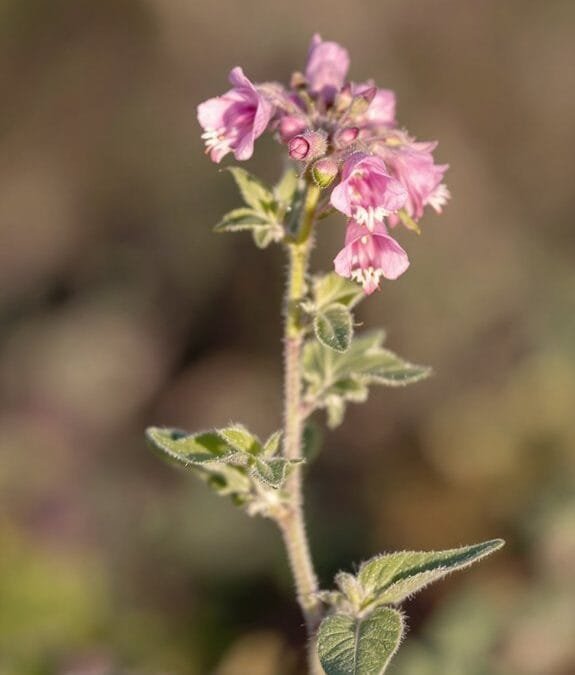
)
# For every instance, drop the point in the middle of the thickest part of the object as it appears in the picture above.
(333, 327)
(408, 221)
(333, 379)
(363, 645)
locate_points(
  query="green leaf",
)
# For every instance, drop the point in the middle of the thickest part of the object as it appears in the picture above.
(332, 379)
(312, 438)
(242, 219)
(285, 189)
(188, 449)
(350, 645)
(272, 445)
(273, 472)
(333, 327)
(331, 288)
(391, 578)
(253, 191)
(240, 439)
(264, 236)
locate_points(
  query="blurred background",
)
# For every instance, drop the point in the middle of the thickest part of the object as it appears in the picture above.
(119, 309)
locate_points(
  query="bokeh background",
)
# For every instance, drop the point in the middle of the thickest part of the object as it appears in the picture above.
(119, 309)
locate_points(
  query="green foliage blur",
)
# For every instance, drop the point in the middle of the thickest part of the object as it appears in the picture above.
(120, 309)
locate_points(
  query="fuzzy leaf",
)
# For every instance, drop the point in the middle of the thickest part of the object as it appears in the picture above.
(242, 219)
(273, 472)
(333, 327)
(359, 646)
(264, 236)
(240, 439)
(272, 445)
(253, 191)
(192, 449)
(285, 189)
(390, 578)
(333, 378)
(331, 288)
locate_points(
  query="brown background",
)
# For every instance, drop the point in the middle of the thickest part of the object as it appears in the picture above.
(119, 309)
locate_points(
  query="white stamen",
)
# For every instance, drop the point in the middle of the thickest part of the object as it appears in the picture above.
(438, 198)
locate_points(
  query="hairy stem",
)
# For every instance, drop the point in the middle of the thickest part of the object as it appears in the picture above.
(292, 524)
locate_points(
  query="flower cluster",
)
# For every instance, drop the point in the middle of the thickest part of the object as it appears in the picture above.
(346, 136)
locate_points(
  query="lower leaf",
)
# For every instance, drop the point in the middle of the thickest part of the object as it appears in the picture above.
(350, 645)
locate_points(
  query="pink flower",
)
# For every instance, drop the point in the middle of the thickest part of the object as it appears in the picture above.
(326, 69)
(367, 192)
(412, 164)
(233, 121)
(370, 255)
(381, 111)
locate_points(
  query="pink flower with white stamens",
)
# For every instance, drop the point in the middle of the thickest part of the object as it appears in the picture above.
(413, 165)
(367, 192)
(381, 111)
(326, 69)
(369, 255)
(233, 121)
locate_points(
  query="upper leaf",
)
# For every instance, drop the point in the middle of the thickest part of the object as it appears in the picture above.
(242, 219)
(390, 578)
(331, 288)
(350, 645)
(234, 446)
(189, 449)
(333, 327)
(253, 191)
(285, 188)
(333, 378)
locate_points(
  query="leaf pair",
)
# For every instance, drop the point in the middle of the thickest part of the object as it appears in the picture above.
(333, 299)
(333, 379)
(265, 209)
(232, 460)
(362, 636)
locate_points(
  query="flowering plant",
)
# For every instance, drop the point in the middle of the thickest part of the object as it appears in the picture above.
(348, 155)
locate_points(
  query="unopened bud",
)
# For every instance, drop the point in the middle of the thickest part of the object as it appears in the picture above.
(361, 102)
(344, 98)
(298, 148)
(324, 171)
(309, 145)
(346, 136)
(291, 126)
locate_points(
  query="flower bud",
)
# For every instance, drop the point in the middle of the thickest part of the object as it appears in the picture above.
(291, 126)
(324, 171)
(298, 148)
(346, 136)
(309, 145)
(362, 101)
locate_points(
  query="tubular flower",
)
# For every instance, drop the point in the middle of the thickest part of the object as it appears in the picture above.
(347, 140)
(381, 110)
(233, 121)
(326, 69)
(369, 255)
(412, 164)
(367, 192)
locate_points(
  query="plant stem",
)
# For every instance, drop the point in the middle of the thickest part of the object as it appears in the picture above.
(292, 525)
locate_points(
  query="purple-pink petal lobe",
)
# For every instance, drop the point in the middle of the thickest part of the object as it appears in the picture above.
(233, 121)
